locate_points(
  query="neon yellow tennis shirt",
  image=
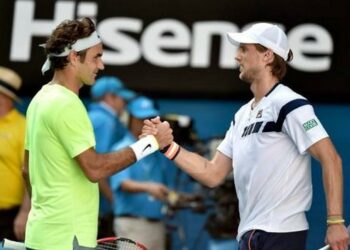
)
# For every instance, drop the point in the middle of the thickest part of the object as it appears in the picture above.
(64, 201)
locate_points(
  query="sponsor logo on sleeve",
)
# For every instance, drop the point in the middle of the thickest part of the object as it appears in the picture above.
(310, 124)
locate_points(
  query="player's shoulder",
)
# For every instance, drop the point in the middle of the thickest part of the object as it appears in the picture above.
(57, 96)
(283, 95)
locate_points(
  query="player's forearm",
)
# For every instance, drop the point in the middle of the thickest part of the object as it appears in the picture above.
(199, 168)
(25, 173)
(333, 185)
(99, 166)
(105, 189)
(326, 154)
(111, 163)
(25, 205)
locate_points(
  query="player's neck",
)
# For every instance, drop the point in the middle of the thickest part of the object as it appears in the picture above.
(261, 87)
(68, 80)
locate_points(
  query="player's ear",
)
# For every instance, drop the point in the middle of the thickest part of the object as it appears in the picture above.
(73, 57)
(269, 56)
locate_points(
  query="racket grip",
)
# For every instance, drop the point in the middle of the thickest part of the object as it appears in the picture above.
(325, 247)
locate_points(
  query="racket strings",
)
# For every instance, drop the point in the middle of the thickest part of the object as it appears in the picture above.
(118, 245)
(107, 246)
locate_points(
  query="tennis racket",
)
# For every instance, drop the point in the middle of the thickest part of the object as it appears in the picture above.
(13, 245)
(110, 243)
(116, 243)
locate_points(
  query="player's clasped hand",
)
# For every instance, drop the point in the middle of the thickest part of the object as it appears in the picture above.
(161, 130)
(337, 237)
(150, 126)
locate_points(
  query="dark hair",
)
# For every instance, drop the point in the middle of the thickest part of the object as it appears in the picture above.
(278, 65)
(66, 34)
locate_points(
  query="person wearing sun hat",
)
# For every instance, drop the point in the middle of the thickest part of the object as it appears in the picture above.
(110, 97)
(10, 83)
(14, 201)
(140, 190)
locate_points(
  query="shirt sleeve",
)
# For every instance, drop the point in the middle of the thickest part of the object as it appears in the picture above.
(225, 146)
(304, 128)
(74, 129)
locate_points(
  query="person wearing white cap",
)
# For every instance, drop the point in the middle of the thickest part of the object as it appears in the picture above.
(110, 97)
(268, 148)
(61, 165)
(14, 201)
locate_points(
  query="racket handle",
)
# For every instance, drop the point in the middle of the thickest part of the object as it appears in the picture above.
(9, 244)
(325, 247)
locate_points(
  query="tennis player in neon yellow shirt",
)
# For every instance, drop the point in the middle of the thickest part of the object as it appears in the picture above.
(61, 165)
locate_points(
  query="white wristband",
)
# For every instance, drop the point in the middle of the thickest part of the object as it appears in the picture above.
(145, 146)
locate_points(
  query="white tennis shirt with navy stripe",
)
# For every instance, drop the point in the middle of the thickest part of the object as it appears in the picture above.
(272, 168)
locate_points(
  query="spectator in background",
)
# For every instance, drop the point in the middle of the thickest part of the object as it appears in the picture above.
(141, 189)
(110, 98)
(14, 199)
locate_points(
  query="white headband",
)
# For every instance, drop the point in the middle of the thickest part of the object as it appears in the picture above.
(79, 45)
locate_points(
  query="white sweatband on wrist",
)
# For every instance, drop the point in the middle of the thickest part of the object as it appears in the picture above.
(145, 146)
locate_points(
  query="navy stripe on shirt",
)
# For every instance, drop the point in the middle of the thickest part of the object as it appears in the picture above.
(285, 110)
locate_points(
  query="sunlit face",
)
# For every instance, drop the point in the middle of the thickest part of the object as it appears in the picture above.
(250, 63)
(91, 65)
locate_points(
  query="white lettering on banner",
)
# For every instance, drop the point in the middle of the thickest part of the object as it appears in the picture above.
(87, 9)
(126, 49)
(165, 42)
(166, 34)
(202, 40)
(311, 39)
(25, 27)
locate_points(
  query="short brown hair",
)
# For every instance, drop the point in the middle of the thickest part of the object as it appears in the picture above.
(278, 65)
(66, 34)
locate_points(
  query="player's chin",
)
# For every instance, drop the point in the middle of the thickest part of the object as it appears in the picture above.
(241, 76)
(90, 82)
(244, 78)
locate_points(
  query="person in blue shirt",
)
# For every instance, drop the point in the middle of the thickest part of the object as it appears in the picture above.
(110, 97)
(142, 188)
